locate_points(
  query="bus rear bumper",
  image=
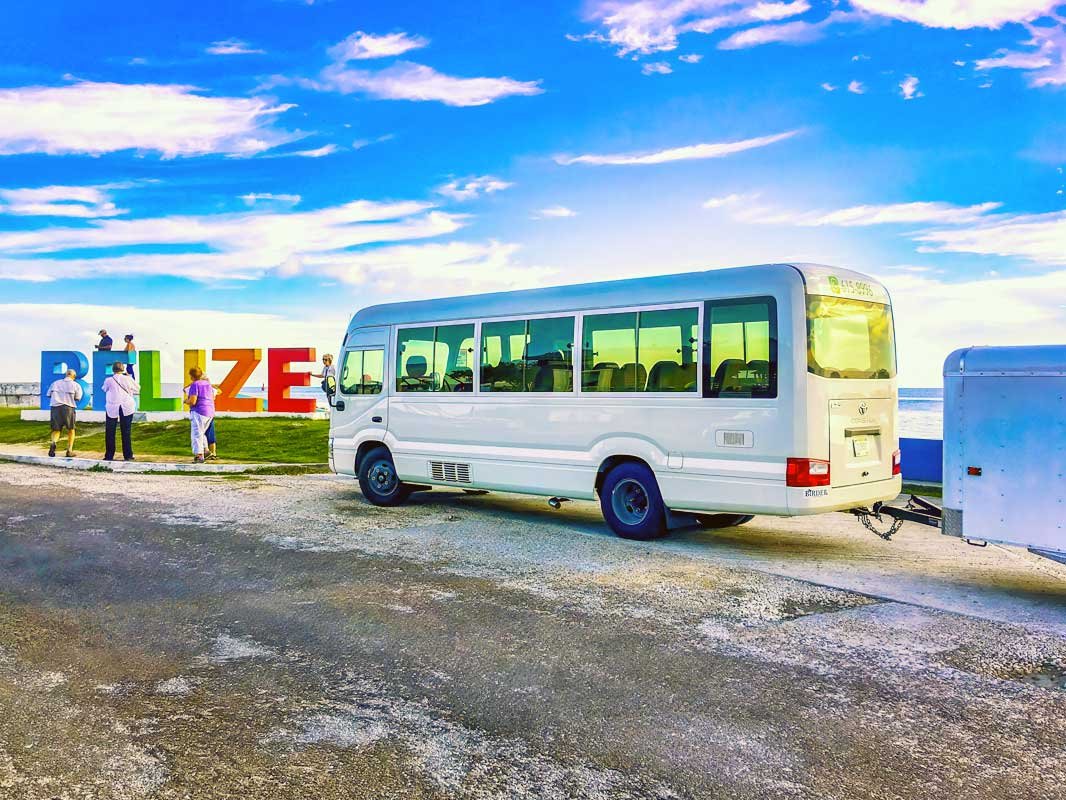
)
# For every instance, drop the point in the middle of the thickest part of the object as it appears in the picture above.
(821, 499)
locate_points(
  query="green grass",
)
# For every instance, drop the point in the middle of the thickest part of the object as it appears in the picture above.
(266, 440)
(925, 490)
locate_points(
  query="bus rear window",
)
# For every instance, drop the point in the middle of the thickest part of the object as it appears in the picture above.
(849, 338)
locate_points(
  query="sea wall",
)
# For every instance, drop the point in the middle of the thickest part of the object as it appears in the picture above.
(15, 395)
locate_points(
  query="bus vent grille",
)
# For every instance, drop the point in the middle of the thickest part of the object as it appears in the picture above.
(449, 472)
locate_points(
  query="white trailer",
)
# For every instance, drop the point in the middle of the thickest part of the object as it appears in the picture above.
(1004, 450)
(1005, 446)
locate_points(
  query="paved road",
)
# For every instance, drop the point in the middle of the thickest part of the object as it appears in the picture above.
(174, 637)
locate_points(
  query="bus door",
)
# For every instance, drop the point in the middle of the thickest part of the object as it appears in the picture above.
(361, 409)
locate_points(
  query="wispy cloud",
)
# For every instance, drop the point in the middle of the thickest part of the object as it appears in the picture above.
(794, 32)
(829, 87)
(747, 209)
(317, 152)
(242, 245)
(554, 212)
(97, 118)
(360, 46)
(856, 87)
(232, 47)
(691, 58)
(464, 189)
(686, 153)
(87, 202)
(1036, 237)
(417, 82)
(1044, 64)
(253, 198)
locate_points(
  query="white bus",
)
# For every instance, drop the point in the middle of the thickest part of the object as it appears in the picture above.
(723, 394)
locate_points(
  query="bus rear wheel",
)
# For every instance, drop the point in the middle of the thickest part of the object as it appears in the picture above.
(631, 503)
(378, 479)
(722, 520)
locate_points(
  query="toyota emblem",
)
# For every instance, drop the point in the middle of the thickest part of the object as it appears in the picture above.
(862, 408)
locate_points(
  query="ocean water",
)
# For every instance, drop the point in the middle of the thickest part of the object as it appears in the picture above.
(921, 411)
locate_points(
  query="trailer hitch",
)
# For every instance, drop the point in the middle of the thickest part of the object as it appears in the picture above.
(916, 510)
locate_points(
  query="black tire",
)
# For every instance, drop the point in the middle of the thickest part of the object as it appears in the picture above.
(378, 480)
(632, 504)
(723, 520)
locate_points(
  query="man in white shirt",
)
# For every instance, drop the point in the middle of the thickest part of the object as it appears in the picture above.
(119, 389)
(63, 396)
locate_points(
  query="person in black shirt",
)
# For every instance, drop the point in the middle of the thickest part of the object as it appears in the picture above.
(105, 341)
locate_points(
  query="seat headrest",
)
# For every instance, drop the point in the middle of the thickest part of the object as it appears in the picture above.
(417, 366)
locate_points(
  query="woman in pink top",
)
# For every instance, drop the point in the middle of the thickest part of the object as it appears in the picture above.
(200, 398)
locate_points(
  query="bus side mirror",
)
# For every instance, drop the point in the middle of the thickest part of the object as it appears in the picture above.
(331, 390)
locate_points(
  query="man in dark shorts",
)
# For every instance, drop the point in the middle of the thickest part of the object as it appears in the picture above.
(64, 395)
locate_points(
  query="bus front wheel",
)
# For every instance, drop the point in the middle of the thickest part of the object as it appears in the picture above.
(378, 479)
(722, 520)
(631, 502)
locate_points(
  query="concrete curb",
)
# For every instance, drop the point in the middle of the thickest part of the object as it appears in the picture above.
(62, 462)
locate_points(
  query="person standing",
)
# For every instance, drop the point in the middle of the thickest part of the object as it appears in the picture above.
(120, 390)
(328, 371)
(200, 398)
(106, 342)
(63, 395)
(131, 355)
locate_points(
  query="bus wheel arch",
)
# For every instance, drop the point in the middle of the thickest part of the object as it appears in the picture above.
(610, 463)
(364, 448)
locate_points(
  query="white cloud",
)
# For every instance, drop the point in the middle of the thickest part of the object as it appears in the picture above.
(795, 32)
(908, 88)
(417, 82)
(770, 12)
(959, 14)
(656, 68)
(936, 213)
(691, 58)
(232, 47)
(554, 212)
(1040, 238)
(857, 87)
(829, 87)
(361, 46)
(471, 188)
(240, 246)
(98, 118)
(1044, 66)
(318, 152)
(88, 202)
(729, 200)
(689, 152)
(252, 198)
(359, 144)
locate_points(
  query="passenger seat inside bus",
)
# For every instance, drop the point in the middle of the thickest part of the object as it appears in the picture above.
(669, 376)
(630, 378)
(417, 367)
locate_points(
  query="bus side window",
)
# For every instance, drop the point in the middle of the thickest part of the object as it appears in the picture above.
(533, 355)
(743, 348)
(435, 359)
(363, 371)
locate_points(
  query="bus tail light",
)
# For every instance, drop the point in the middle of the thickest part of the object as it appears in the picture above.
(897, 463)
(806, 472)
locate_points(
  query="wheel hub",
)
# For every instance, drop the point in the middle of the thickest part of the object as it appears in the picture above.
(630, 502)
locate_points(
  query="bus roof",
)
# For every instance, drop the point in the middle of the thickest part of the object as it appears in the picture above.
(656, 289)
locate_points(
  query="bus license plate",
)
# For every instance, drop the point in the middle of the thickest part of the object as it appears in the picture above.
(860, 446)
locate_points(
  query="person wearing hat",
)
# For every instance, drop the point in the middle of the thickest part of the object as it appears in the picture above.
(106, 341)
(63, 396)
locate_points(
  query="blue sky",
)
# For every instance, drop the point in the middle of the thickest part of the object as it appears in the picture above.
(250, 173)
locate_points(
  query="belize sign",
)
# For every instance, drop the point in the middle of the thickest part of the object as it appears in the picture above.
(280, 378)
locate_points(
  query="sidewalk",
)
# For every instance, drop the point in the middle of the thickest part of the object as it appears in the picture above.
(30, 454)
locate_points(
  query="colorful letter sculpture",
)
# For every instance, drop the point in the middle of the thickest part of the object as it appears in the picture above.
(54, 363)
(152, 385)
(193, 358)
(102, 361)
(280, 380)
(247, 360)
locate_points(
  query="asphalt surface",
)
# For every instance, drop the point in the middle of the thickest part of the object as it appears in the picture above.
(276, 637)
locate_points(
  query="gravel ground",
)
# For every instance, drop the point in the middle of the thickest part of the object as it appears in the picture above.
(276, 637)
